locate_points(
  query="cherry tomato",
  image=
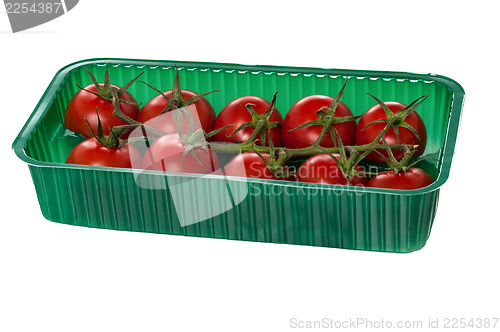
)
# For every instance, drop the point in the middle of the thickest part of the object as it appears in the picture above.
(413, 178)
(235, 114)
(91, 152)
(304, 111)
(203, 113)
(83, 105)
(166, 154)
(323, 169)
(250, 165)
(367, 135)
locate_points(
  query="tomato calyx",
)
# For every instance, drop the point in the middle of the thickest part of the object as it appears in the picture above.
(327, 118)
(132, 124)
(177, 101)
(276, 165)
(347, 164)
(397, 120)
(216, 131)
(105, 91)
(112, 141)
(402, 165)
(194, 138)
(260, 122)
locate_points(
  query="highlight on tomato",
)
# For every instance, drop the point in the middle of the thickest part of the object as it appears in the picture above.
(411, 178)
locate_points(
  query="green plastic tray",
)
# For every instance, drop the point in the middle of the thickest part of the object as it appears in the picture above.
(179, 204)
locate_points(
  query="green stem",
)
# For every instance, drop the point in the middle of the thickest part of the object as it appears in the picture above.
(323, 133)
(303, 152)
(258, 128)
(389, 124)
(309, 151)
(119, 114)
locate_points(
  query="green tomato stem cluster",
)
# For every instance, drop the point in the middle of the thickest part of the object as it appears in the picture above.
(285, 154)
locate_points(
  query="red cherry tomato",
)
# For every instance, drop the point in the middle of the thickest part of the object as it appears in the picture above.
(250, 165)
(235, 114)
(83, 105)
(304, 111)
(91, 152)
(323, 169)
(166, 154)
(413, 178)
(367, 135)
(203, 113)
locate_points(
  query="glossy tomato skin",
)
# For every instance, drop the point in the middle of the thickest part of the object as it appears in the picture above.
(91, 152)
(248, 164)
(405, 136)
(153, 108)
(83, 105)
(304, 111)
(413, 178)
(235, 114)
(323, 169)
(165, 154)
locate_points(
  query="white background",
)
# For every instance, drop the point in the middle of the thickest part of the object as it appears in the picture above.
(62, 278)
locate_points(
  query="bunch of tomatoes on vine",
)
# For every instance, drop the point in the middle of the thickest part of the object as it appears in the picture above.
(182, 133)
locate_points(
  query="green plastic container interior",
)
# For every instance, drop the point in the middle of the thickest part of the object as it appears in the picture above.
(358, 221)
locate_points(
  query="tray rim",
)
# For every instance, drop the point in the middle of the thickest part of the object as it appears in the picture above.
(458, 97)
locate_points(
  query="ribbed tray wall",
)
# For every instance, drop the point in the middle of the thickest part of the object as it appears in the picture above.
(328, 218)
